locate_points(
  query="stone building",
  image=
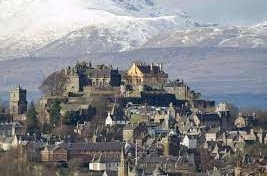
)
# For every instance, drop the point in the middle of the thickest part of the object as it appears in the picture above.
(141, 74)
(181, 90)
(73, 80)
(18, 102)
(103, 76)
(84, 74)
(130, 132)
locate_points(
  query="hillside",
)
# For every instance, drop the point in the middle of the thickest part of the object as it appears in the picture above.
(239, 37)
(29, 25)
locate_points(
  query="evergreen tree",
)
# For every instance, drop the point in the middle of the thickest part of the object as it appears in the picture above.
(71, 118)
(31, 119)
(54, 112)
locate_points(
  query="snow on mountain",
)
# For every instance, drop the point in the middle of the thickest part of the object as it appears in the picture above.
(29, 25)
(130, 34)
(244, 37)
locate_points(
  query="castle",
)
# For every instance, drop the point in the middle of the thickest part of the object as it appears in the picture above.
(139, 77)
(142, 74)
(84, 74)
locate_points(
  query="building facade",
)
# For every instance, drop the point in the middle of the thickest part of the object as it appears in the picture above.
(18, 102)
(141, 74)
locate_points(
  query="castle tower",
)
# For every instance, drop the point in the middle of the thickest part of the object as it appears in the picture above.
(123, 167)
(73, 81)
(17, 101)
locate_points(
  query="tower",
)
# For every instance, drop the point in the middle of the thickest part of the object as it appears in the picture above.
(123, 166)
(18, 102)
(73, 81)
(166, 145)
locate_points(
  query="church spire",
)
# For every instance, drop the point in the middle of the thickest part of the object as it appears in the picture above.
(123, 168)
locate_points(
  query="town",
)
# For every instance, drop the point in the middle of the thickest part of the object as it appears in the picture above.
(99, 120)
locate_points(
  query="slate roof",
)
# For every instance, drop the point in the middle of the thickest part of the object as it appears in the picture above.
(93, 146)
(5, 128)
(213, 130)
(157, 159)
(146, 69)
(103, 159)
(98, 146)
(101, 73)
(209, 117)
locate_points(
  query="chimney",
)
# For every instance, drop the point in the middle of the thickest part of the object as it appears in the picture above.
(151, 67)
(160, 66)
(251, 131)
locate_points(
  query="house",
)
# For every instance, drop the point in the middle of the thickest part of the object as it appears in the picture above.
(86, 151)
(112, 120)
(244, 122)
(183, 124)
(31, 149)
(55, 153)
(116, 116)
(104, 163)
(212, 134)
(130, 132)
(8, 135)
(190, 141)
(9, 142)
(209, 119)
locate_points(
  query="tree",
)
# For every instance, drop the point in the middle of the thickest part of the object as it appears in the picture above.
(233, 110)
(71, 118)
(74, 164)
(100, 104)
(14, 162)
(205, 160)
(261, 116)
(31, 119)
(54, 112)
(63, 131)
(54, 84)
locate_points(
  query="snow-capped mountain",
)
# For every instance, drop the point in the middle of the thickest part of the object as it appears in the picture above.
(242, 37)
(29, 25)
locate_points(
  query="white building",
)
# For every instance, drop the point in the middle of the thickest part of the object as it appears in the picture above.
(190, 141)
(112, 120)
(104, 164)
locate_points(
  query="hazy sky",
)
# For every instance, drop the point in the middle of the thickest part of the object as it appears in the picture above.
(241, 12)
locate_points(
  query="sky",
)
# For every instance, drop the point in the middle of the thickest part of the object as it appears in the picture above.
(224, 12)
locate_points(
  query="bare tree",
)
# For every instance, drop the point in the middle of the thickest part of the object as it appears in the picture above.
(54, 84)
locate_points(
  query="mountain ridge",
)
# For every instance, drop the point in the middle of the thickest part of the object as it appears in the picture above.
(30, 25)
